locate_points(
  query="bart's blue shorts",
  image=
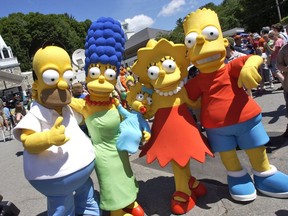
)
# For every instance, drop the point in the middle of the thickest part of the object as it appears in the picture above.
(246, 135)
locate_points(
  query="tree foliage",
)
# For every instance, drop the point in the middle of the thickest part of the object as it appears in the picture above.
(27, 32)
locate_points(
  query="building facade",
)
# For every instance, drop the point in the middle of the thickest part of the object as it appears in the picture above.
(11, 76)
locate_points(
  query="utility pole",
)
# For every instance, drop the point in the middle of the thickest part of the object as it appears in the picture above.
(278, 9)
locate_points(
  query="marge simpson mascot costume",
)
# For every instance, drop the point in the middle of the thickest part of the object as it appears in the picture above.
(134, 127)
(58, 157)
(103, 50)
(175, 137)
(230, 116)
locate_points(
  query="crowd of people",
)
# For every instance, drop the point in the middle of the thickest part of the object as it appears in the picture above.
(267, 44)
(13, 110)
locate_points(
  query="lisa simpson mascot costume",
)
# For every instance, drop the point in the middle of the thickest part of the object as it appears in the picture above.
(230, 116)
(58, 157)
(175, 137)
(103, 50)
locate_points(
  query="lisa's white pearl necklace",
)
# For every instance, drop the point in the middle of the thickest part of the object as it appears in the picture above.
(172, 92)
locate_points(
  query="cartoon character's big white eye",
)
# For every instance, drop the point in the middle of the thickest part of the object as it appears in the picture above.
(68, 76)
(210, 33)
(140, 97)
(190, 39)
(169, 66)
(149, 100)
(110, 74)
(50, 77)
(94, 72)
(153, 72)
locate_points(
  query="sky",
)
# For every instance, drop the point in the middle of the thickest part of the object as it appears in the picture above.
(139, 14)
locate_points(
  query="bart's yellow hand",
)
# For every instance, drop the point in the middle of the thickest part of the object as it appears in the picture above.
(146, 136)
(37, 142)
(249, 76)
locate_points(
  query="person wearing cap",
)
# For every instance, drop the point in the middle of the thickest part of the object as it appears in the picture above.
(238, 46)
(231, 52)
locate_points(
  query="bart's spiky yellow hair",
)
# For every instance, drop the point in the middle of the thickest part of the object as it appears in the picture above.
(191, 19)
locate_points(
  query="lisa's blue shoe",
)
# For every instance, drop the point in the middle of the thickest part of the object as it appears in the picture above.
(241, 187)
(272, 183)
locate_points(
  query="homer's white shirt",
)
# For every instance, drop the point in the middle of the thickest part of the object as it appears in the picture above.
(56, 161)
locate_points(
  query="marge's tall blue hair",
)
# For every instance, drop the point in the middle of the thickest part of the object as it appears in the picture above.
(104, 43)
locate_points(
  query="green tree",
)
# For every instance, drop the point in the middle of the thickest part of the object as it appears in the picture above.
(25, 33)
(255, 15)
(176, 35)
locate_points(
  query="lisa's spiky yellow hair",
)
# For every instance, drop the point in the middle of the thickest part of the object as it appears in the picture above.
(154, 51)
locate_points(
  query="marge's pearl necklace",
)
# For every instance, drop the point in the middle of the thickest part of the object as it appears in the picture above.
(172, 92)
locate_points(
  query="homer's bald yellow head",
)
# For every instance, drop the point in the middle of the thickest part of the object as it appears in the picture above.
(53, 75)
(204, 40)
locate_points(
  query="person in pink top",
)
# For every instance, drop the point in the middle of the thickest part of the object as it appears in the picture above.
(274, 49)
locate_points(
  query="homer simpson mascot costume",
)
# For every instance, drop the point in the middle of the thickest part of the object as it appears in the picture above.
(230, 116)
(58, 157)
(175, 137)
(103, 50)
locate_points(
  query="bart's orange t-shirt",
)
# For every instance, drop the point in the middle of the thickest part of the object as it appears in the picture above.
(223, 102)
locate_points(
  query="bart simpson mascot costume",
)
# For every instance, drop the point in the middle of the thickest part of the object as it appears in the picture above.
(103, 50)
(230, 116)
(134, 127)
(58, 157)
(175, 137)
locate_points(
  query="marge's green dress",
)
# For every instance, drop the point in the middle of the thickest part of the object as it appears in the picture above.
(118, 186)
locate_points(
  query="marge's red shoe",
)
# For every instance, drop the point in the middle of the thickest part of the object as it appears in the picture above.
(137, 211)
(178, 207)
(198, 191)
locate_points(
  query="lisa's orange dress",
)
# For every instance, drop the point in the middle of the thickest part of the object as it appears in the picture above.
(175, 136)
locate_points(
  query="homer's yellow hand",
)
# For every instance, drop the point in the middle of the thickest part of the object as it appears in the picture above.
(146, 136)
(56, 135)
(37, 142)
(249, 76)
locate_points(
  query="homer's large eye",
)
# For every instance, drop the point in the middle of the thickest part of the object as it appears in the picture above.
(94, 72)
(110, 74)
(210, 33)
(50, 77)
(153, 72)
(149, 100)
(68, 76)
(140, 97)
(169, 66)
(190, 39)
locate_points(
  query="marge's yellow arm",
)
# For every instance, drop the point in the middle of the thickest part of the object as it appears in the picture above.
(77, 104)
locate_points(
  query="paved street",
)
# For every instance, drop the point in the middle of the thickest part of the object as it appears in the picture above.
(157, 184)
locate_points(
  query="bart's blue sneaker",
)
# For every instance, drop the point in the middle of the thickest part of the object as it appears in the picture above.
(241, 187)
(272, 183)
